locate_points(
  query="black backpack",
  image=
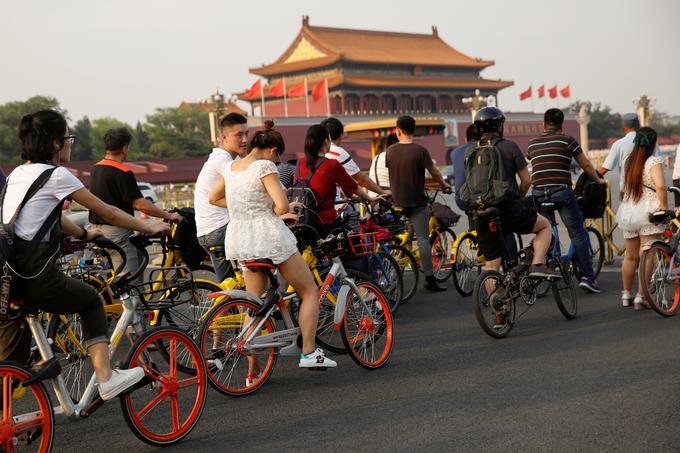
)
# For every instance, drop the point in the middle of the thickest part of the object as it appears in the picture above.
(185, 239)
(8, 236)
(591, 197)
(301, 192)
(485, 183)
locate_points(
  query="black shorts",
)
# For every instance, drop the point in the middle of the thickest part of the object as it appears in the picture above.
(519, 216)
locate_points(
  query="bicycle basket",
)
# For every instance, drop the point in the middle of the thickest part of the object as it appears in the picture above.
(362, 244)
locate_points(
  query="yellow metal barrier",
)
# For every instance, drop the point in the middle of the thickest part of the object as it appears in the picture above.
(606, 225)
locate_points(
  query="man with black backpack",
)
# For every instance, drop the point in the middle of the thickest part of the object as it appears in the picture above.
(491, 167)
(551, 154)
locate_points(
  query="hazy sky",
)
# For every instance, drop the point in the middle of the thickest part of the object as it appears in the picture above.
(124, 58)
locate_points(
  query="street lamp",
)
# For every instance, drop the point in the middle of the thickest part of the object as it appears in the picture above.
(477, 102)
(214, 116)
(643, 105)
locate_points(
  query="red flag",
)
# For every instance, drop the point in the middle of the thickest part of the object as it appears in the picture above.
(277, 90)
(552, 92)
(565, 92)
(525, 94)
(253, 91)
(296, 91)
(541, 91)
(319, 90)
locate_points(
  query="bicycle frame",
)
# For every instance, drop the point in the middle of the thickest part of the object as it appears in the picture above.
(90, 399)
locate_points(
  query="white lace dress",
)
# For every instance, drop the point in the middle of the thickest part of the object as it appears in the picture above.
(254, 230)
(633, 216)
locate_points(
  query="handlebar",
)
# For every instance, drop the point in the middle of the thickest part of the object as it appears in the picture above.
(674, 189)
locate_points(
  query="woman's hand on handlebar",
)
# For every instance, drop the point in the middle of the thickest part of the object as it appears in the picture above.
(175, 217)
(295, 206)
(93, 234)
(289, 217)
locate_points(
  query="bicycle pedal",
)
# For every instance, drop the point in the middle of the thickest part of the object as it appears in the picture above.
(48, 370)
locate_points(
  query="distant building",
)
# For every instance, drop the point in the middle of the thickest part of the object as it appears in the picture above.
(371, 73)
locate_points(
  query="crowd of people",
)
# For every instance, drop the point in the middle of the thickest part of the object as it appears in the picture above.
(242, 208)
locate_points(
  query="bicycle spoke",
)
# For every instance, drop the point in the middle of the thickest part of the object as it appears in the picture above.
(152, 405)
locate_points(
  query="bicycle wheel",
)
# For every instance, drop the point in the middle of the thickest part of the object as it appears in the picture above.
(494, 312)
(168, 402)
(27, 415)
(410, 274)
(658, 277)
(189, 304)
(227, 362)
(67, 345)
(466, 264)
(326, 335)
(387, 275)
(564, 293)
(442, 253)
(367, 328)
(596, 244)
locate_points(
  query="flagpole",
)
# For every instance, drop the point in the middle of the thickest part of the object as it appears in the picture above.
(545, 101)
(328, 101)
(531, 87)
(285, 99)
(557, 87)
(262, 110)
(306, 98)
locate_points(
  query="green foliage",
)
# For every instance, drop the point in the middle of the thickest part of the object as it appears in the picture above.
(603, 123)
(664, 124)
(82, 149)
(10, 117)
(99, 128)
(175, 132)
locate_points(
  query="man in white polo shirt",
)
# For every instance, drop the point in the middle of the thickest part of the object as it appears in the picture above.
(211, 220)
(335, 130)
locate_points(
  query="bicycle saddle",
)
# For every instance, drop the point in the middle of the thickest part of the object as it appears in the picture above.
(661, 216)
(264, 263)
(489, 212)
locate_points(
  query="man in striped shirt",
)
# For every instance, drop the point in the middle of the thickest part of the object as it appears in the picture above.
(551, 155)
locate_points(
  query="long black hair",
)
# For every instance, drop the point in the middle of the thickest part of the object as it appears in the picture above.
(314, 141)
(37, 132)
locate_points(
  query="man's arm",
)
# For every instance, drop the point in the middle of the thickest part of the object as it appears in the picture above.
(364, 181)
(524, 180)
(148, 208)
(588, 168)
(611, 161)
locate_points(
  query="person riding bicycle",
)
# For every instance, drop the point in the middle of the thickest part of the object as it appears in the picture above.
(45, 144)
(516, 215)
(258, 206)
(551, 155)
(407, 162)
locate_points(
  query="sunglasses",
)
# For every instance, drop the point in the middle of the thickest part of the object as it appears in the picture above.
(70, 138)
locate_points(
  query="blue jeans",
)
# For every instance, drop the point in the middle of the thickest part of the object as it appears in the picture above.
(223, 267)
(572, 218)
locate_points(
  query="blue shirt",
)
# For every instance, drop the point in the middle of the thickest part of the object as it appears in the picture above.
(457, 157)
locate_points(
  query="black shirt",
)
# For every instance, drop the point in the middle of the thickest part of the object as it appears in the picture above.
(513, 161)
(551, 156)
(407, 163)
(115, 184)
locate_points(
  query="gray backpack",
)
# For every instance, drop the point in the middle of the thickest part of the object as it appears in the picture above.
(485, 183)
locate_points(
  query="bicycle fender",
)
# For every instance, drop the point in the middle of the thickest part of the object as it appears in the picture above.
(240, 294)
(340, 306)
(655, 242)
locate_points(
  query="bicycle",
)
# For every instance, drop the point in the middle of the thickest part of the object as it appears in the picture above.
(28, 414)
(547, 206)
(245, 324)
(495, 293)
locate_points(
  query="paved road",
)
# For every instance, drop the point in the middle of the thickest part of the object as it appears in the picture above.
(605, 381)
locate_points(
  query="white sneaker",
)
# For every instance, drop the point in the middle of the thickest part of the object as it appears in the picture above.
(251, 379)
(626, 297)
(316, 360)
(639, 303)
(120, 380)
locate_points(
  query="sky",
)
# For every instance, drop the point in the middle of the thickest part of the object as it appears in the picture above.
(125, 58)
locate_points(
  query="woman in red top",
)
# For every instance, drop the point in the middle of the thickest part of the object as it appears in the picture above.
(329, 173)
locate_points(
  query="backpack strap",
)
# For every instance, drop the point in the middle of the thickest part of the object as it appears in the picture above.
(32, 190)
(375, 169)
(317, 164)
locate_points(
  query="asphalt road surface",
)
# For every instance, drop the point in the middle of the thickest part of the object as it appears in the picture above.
(608, 380)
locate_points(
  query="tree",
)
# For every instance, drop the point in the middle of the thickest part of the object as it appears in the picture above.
(82, 149)
(603, 123)
(664, 124)
(175, 132)
(141, 139)
(99, 128)
(10, 117)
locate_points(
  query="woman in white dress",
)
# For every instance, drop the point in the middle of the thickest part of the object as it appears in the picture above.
(644, 192)
(257, 209)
